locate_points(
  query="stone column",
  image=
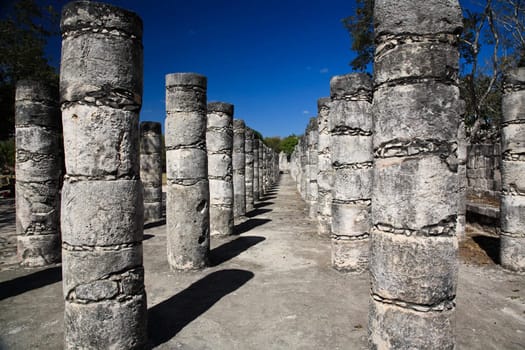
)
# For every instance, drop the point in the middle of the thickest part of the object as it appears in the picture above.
(463, 182)
(151, 169)
(261, 169)
(313, 140)
(187, 197)
(256, 191)
(413, 259)
(38, 173)
(248, 149)
(324, 169)
(239, 169)
(512, 244)
(304, 168)
(102, 205)
(219, 142)
(352, 158)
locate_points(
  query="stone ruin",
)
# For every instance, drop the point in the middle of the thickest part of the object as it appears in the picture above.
(383, 169)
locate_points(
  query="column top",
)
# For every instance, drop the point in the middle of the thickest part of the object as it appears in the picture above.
(349, 84)
(186, 79)
(415, 17)
(221, 107)
(239, 124)
(323, 102)
(154, 127)
(515, 76)
(32, 91)
(78, 15)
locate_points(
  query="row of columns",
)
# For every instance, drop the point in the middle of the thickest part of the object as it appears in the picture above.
(113, 174)
(390, 174)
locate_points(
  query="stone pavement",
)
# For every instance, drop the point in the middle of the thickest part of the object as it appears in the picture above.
(270, 287)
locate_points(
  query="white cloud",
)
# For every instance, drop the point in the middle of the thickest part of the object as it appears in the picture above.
(306, 112)
(323, 70)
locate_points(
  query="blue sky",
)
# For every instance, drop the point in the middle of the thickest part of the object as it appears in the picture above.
(271, 58)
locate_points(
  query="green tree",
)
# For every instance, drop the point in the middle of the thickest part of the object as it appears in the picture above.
(274, 142)
(360, 26)
(288, 143)
(24, 30)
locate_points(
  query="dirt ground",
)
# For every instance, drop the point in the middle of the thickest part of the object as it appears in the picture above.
(270, 286)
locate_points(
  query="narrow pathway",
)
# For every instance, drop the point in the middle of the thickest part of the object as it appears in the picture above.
(271, 287)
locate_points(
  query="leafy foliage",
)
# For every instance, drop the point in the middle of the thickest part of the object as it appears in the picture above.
(361, 29)
(23, 34)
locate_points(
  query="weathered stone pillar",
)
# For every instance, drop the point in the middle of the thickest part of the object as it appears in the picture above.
(248, 149)
(512, 170)
(256, 147)
(219, 142)
(151, 169)
(102, 205)
(239, 169)
(38, 173)
(463, 183)
(312, 142)
(324, 171)
(352, 158)
(304, 168)
(187, 197)
(261, 168)
(413, 261)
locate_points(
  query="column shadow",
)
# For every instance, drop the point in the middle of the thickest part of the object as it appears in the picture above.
(257, 211)
(169, 317)
(233, 248)
(490, 245)
(29, 282)
(155, 223)
(248, 225)
(262, 204)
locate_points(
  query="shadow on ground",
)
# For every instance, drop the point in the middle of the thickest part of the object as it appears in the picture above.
(29, 282)
(490, 245)
(258, 211)
(233, 248)
(169, 317)
(248, 225)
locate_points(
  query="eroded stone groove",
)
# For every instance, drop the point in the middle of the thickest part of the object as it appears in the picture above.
(219, 141)
(324, 168)
(413, 256)
(352, 172)
(38, 173)
(249, 173)
(512, 246)
(239, 169)
(102, 202)
(187, 197)
(151, 170)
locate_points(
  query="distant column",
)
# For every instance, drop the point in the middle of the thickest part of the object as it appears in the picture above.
(151, 169)
(413, 256)
(102, 204)
(248, 149)
(38, 173)
(261, 169)
(313, 140)
(239, 169)
(324, 171)
(219, 142)
(187, 197)
(352, 158)
(463, 183)
(513, 172)
(256, 191)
